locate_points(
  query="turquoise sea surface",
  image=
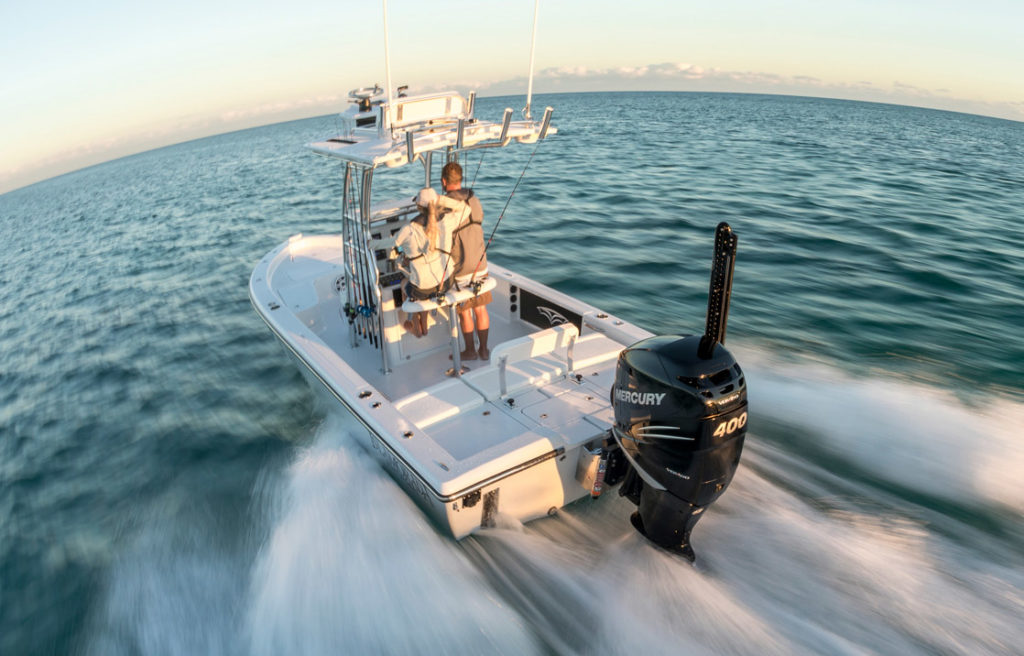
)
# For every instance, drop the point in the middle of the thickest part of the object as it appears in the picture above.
(169, 484)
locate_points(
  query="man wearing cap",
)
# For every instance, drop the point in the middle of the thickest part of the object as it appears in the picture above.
(470, 263)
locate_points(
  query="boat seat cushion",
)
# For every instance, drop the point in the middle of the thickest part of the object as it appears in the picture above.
(456, 296)
(451, 297)
(410, 306)
(520, 376)
(548, 340)
(530, 361)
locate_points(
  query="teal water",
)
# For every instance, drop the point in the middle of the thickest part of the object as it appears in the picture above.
(169, 485)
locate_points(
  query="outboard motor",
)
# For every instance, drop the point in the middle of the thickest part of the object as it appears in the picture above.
(681, 416)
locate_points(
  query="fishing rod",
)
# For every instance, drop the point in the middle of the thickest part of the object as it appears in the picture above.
(472, 279)
(479, 163)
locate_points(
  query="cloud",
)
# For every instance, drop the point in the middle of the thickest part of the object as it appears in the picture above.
(677, 76)
(914, 90)
(651, 71)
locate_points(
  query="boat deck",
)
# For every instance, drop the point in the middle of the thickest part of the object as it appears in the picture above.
(573, 411)
(543, 393)
(430, 361)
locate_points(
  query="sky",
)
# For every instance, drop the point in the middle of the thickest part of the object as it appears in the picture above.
(86, 82)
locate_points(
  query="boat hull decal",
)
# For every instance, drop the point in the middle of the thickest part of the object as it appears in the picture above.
(542, 313)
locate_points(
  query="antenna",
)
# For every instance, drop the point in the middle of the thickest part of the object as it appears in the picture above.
(387, 64)
(533, 47)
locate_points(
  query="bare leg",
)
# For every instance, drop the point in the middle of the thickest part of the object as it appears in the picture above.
(412, 321)
(483, 325)
(466, 323)
(416, 324)
(483, 320)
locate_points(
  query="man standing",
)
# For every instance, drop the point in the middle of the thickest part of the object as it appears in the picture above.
(470, 258)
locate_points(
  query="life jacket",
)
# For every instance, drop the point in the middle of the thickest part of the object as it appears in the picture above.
(468, 249)
(464, 195)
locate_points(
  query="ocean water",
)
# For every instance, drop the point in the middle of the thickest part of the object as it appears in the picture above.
(169, 485)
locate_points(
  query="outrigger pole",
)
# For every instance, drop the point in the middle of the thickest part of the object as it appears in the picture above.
(387, 65)
(533, 48)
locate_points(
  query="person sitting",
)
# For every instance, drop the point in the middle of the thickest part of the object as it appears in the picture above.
(424, 245)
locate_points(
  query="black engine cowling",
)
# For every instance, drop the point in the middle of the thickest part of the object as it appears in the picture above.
(681, 421)
(681, 417)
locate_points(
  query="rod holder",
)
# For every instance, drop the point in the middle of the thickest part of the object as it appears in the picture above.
(505, 122)
(410, 150)
(545, 123)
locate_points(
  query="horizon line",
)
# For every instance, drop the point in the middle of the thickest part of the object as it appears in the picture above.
(281, 113)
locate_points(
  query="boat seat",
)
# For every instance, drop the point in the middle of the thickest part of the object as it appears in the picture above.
(410, 306)
(538, 343)
(456, 296)
(451, 297)
(450, 300)
(438, 402)
(525, 362)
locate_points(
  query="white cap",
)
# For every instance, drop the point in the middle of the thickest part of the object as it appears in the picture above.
(425, 197)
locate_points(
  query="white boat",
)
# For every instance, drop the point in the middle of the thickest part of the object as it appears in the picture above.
(524, 433)
(552, 416)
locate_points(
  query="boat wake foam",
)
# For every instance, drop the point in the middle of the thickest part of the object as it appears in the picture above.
(351, 562)
(904, 433)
